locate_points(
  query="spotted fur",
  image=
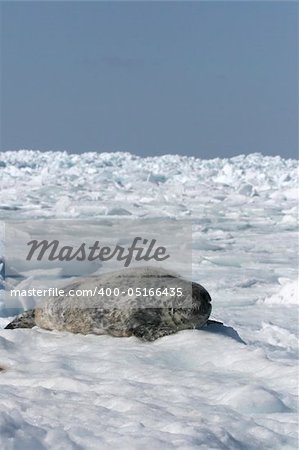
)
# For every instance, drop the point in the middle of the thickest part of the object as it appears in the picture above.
(148, 317)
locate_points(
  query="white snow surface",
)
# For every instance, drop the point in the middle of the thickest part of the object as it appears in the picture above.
(222, 387)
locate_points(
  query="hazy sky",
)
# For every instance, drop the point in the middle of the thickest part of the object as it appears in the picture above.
(199, 78)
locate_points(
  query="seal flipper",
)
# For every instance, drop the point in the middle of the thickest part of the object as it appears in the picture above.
(151, 333)
(146, 324)
(24, 320)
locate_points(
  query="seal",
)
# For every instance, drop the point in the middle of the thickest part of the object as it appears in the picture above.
(145, 302)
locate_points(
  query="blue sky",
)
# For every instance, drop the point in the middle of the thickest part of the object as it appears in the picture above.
(198, 78)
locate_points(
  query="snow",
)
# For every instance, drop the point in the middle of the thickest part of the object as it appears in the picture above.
(287, 294)
(222, 387)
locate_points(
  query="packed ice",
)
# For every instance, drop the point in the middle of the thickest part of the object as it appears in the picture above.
(227, 386)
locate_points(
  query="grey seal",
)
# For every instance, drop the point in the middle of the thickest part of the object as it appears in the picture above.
(113, 305)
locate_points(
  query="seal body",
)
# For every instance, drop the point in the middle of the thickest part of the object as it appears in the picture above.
(145, 302)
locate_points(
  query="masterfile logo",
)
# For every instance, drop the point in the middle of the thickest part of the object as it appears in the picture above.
(146, 250)
(41, 255)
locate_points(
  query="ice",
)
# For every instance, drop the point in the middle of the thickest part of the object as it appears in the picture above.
(118, 211)
(248, 190)
(287, 295)
(228, 386)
